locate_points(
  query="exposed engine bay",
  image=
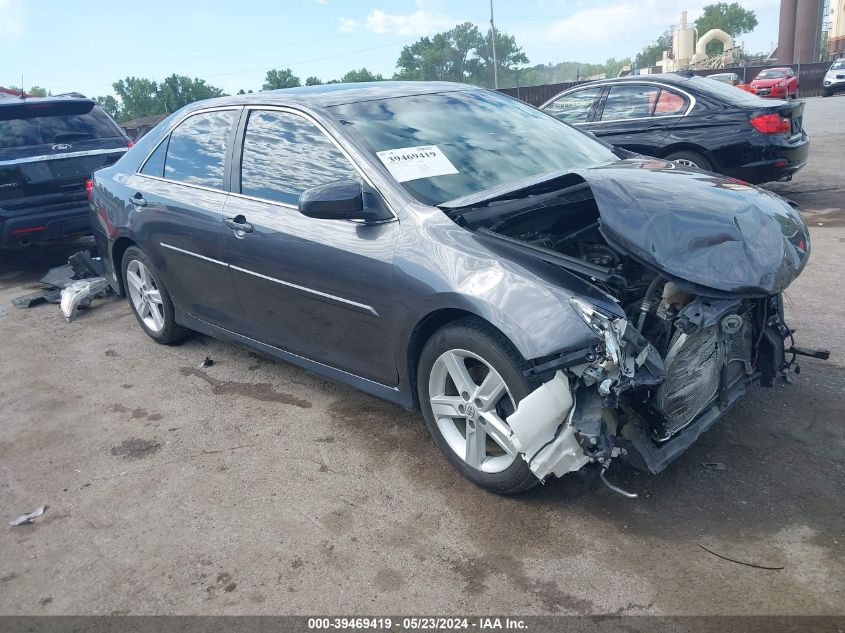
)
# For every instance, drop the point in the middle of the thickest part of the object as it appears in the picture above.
(652, 381)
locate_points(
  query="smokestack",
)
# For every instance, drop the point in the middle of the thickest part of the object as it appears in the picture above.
(808, 19)
(786, 31)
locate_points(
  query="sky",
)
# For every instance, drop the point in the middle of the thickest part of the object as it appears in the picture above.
(87, 45)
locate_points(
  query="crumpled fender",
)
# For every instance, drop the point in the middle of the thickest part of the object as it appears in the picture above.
(712, 231)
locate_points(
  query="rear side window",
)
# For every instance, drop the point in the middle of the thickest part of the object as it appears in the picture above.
(629, 102)
(574, 107)
(669, 104)
(196, 153)
(285, 154)
(155, 163)
(44, 123)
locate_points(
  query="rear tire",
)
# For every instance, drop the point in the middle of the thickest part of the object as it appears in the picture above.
(149, 299)
(689, 158)
(826, 93)
(470, 411)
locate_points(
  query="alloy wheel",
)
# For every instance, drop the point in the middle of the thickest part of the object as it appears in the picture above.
(470, 402)
(686, 162)
(145, 295)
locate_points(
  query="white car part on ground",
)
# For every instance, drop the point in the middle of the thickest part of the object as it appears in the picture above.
(81, 293)
(542, 431)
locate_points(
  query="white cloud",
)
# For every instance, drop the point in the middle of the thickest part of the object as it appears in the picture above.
(318, 1)
(11, 21)
(420, 22)
(349, 25)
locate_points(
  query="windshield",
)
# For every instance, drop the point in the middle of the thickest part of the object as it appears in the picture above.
(771, 74)
(839, 64)
(450, 145)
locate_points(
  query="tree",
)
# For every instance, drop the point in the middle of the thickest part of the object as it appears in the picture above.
(34, 91)
(356, 76)
(461, 54)
(177, 91)
(313, 81)
(650, 55)
(139, 97)
(731, 18)
(277, 78)
(109, 105)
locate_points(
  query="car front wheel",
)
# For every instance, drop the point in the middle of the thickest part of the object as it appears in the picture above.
(149, 298)
(469, 381)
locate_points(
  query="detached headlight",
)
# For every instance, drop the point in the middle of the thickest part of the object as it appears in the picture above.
(596, 319)
(607, 326)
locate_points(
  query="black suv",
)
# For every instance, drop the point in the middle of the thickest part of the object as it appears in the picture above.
(48, 150)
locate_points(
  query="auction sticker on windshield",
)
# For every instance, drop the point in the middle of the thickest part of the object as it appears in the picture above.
(413, 163)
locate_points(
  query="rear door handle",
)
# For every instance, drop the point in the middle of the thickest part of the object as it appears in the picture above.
(138, 200)
(238, 223)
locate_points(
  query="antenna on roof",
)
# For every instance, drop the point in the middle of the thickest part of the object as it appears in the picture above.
(23, 92)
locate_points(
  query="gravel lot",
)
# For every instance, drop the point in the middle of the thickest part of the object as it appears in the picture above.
(255, 487)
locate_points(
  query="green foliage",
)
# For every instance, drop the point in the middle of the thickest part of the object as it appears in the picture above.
(313, 81)
(731, 18)
(356, 76)
(142, 97)
(280, 78)
(460, 54)
(34, 91)
(650, 55)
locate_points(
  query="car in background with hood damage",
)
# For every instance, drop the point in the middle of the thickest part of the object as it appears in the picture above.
(550, 303)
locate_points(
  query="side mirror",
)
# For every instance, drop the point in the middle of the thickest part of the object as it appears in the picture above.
(343, 200)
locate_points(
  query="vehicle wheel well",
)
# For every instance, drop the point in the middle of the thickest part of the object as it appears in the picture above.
(426, 328)
(117, 251)
(684, 147)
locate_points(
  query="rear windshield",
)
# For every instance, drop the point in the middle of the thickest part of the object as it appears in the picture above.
(725, 92)
(27, 124)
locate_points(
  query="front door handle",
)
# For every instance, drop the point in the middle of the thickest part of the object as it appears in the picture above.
(138, 200)
(238, 223)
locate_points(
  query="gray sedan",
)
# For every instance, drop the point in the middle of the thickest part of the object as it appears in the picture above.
(548, 302)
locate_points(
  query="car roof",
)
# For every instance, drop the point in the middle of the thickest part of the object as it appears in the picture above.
(327, 95)
(17, 101)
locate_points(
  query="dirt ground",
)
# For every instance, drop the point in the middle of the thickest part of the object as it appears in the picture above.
(254, 487)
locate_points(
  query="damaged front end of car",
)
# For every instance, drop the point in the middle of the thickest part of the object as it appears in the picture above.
(694, 267)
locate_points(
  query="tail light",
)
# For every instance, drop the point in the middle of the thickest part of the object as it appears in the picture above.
(771, 124)
(89, 189)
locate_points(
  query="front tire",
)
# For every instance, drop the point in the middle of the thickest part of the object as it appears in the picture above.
(149, 299)
(827, 93)
(469, 381)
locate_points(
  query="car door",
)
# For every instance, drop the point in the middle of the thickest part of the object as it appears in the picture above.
(638, 116)
(319, 288)
(178, 199)
(575, 107)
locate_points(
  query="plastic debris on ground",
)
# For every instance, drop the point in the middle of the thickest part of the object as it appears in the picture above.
(206, 363)
(28, 518)
(80, 294)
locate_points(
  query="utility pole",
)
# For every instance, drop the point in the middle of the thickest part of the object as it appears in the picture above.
(493, 44)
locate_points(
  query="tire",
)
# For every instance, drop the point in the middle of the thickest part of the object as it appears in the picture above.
(483, 353)
(149, 299)
(688, 158)
(826, 93)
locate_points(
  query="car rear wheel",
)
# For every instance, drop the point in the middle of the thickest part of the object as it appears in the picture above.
(690, 159)
(149, 298)
(469, 381)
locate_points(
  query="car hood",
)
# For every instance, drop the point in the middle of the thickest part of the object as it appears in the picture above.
(697, 227)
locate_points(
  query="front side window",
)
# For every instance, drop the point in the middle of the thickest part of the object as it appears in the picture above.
(574, 107)
(196, 153)
(629, 102)
(284, 154)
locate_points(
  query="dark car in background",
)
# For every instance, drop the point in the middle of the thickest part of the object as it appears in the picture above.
(693, 121)
(549, 302)
(49, 147)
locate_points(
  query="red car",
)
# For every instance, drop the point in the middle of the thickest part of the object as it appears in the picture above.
(781, 83)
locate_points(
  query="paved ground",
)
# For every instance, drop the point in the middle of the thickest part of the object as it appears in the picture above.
(255, 487)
